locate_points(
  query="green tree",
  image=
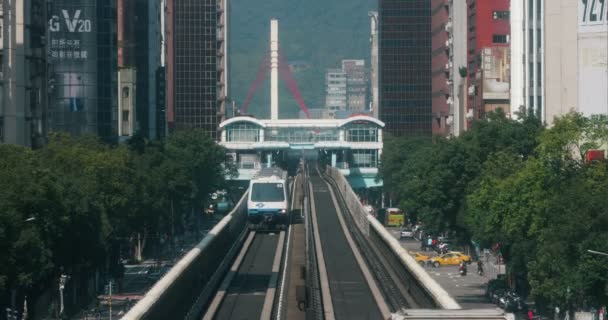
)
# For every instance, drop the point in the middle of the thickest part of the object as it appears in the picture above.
(26, 197)
(576, 223)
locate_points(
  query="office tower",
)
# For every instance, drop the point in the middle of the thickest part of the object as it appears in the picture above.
(196, 62)
(405, 66)
(148, 50)
(83, 67)
(559, 57)
(449, 30)
(527, 67)
(356, 85)
(488, 57)
(23, 103)
(335, 98)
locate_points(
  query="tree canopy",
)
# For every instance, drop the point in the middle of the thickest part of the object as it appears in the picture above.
(519, 184)
(63, 206)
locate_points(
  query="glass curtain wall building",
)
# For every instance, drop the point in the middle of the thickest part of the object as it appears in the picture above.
(405, 66)
(82, 68)
(195, 66)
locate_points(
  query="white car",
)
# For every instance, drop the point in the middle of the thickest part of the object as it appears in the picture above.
(406, 234)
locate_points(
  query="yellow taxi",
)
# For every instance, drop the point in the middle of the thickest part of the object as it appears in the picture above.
(420, 258)
(451, 258)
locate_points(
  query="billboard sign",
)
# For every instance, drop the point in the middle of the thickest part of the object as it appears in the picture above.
(592, 16)
(593, 56)
(72, 53)
(495, 73)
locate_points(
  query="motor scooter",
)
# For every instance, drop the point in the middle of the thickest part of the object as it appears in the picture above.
(463, 270)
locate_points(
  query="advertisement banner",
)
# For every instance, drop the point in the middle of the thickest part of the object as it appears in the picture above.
(593, 56)
(495, 73)
(72, 52)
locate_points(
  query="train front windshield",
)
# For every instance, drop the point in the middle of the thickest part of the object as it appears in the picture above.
(267, 192)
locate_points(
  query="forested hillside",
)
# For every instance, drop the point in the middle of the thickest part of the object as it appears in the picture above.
(316, 33)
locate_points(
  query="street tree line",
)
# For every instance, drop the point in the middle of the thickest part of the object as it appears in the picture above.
(523, 186)
(71, 206)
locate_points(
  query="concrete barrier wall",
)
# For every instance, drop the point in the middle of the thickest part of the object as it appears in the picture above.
(352, 201)
(179, 292)
(375, 231)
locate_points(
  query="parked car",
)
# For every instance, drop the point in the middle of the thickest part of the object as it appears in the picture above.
(451, 258)
(406, 234)
(495, 285)
(512, 302)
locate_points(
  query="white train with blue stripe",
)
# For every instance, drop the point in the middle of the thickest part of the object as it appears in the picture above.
(268, 200)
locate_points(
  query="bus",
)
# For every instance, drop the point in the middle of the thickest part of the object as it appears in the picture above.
(392, 217)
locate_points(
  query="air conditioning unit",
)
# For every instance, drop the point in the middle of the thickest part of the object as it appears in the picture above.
(470, 114)
(471, 90)
(449, 120)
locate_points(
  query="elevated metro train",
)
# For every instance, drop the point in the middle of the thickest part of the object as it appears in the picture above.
(268, 200)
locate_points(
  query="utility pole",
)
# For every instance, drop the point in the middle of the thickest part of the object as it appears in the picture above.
(62, 280)
(109, 293)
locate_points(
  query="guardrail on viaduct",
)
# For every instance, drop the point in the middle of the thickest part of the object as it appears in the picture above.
(428, 291)
(184, 290)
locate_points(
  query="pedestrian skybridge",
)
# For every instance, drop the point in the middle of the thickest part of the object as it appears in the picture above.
(353, 145)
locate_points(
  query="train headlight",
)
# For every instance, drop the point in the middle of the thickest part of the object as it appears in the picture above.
(283, 211)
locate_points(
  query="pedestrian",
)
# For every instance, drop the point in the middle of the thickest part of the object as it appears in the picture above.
(429, 243)
(530, 314)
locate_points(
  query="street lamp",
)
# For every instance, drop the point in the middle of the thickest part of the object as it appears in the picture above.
(30, 219)
(598, 252)
(62, 280)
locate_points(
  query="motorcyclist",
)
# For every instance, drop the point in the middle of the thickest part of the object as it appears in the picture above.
(462, 268)
(480, 267)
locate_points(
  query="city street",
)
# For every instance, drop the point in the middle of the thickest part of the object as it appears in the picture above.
(468, 290)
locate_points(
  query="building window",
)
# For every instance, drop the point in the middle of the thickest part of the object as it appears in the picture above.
(531, 73)
(125, 92)
(500, 38)
(500, 15)
(364, 159)
(242, 133)
(362, 133)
